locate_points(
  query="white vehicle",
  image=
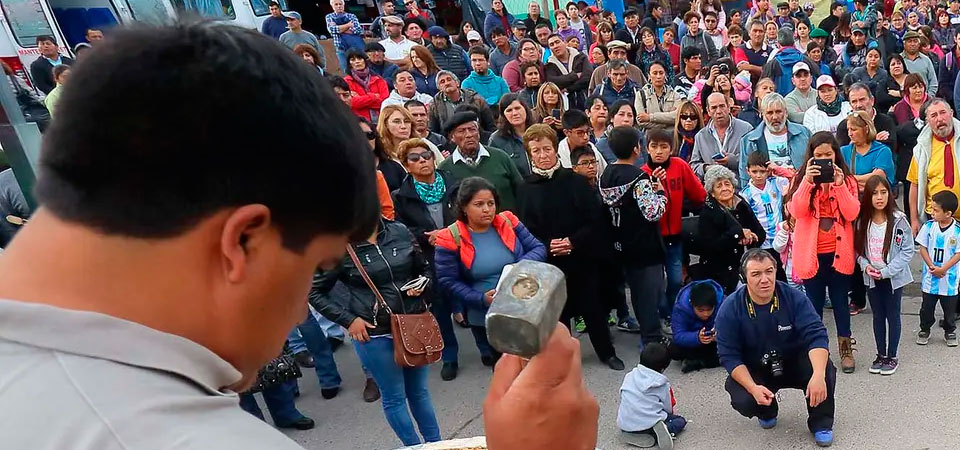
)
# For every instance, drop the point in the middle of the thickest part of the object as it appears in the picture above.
(22, 22)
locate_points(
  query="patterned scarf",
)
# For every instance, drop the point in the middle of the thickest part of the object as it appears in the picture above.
(686, 143)
(431, 193)
(547, 173)
(362, 77)
(833, 108)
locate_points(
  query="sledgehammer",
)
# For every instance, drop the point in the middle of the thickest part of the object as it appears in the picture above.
(526, 308)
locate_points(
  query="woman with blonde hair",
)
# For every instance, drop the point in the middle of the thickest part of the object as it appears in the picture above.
(689, 122)
(550, 106)
(424, 70)
(396, 126)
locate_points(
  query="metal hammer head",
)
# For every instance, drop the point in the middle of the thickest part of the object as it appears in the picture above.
(526, 309)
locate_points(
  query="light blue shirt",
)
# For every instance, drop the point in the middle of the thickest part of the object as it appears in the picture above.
(491, 254)
(941, 246)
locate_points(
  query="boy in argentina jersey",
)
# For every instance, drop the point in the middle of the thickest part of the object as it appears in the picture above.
(938, 240)
(764, 193)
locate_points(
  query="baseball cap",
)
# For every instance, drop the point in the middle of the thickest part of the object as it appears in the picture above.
(800, 66)
(437, 31)
(292, 15)
(824, 80)
(858, 30)
(473, 35)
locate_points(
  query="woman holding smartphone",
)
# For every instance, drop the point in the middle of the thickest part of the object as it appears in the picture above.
(824, 201)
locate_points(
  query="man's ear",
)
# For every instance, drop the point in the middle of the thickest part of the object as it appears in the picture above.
(245, 231)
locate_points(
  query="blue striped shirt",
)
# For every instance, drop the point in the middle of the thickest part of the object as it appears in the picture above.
(941, 245)
(766, 204)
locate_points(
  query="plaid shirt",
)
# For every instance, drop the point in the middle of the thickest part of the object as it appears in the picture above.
(334, 29)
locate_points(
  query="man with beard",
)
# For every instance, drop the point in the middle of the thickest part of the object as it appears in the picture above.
(934, 164)
(396, 44)
(617, 51)
(915, 61)
(570, 70)
(784, 141)
(447, 55)
(721, 137)
(528, 52)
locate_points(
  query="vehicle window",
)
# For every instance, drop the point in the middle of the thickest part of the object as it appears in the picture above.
(215, 9)
(27, 21)
(262, 7)
(149, 11)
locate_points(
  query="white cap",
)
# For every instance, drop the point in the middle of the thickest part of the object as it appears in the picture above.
(473, 35)
(800, 66)
(825, 80)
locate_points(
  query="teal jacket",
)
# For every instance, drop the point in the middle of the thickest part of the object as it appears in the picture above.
(490, 86)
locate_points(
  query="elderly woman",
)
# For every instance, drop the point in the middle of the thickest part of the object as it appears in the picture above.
(561, 210)
(471, 254)
(424, 203)
(830, 109)
(390, 257)
(515, 117)
(311, 56)
(727, 225)
(369, 89)
(865, 155)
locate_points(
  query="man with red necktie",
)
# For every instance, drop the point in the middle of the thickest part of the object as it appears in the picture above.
(934, 164)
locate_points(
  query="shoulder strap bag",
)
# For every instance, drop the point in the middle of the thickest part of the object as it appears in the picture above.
(416, 337)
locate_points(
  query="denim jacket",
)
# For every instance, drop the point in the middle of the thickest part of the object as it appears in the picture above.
(898, 259)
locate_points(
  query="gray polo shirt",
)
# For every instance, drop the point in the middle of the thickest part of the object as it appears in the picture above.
(87, 381)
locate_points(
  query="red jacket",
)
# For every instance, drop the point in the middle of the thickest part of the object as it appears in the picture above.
(368, 100)
(679, 183)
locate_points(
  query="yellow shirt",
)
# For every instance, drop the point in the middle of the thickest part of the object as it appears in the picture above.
(935, 173)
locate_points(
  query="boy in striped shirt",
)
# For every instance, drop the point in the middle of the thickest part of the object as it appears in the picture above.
(764, 193)
(938, 248)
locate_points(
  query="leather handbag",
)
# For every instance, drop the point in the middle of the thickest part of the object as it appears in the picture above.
(416, 337)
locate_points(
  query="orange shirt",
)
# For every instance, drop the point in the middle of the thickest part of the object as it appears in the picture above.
(827, 240)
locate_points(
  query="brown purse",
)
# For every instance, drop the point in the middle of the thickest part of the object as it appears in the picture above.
(416, 337)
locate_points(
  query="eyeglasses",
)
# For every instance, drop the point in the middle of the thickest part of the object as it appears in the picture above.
(580, 132)
(688, 117)
(415, 157)
(589, 163)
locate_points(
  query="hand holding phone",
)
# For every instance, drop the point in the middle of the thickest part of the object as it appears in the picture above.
(825, 172)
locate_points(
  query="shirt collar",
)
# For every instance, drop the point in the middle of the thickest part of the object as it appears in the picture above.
(100, 336)
(481, 153)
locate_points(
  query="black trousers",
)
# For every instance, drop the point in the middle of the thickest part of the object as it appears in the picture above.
(858, 290)
(705, 353)
(797, 371)
(948, 304)
(611, 287)
(582, 300)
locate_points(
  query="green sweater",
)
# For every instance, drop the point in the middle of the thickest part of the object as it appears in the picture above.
(497, 169)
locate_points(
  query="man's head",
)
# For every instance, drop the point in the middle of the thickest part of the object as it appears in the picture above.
(94, 35)
(48, 46)
(692, 59)
(519, 30)
(404, 83)
(760, 272)
(463, 129)
(801, 77)
(439, 37)
(860, 5)
(940, 117)
(576, 127)
(413, 6)
(542, 32)
(388, 7)
(617, 72)
(558, 47)
(757, 168)
(756, 33)
(785, 37)
(703, 299)
(375, 52)
(340, 87)
(479, 60)
(573, 11)
(861, 98)
(394, 26)
(275, 10)
(624, 142)
(337, 6)
(911, 43)
(419, 112)
(631, 18)
(659, 145)
(499, 37)
(231, 224)
(719, 109)
(413, 29)
(294, 21)
(61, 73)
(617, 51)
(448, 83)
(531, 74)
(710, 20)
(838, 8)
(774, 110)
(585, 163)
(858, 37)
(655, 357)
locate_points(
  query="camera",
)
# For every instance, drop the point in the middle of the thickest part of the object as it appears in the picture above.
(724, 69)
(774, 362)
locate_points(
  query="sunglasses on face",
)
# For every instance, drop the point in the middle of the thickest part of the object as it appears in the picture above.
(688, 117)
(415, 157)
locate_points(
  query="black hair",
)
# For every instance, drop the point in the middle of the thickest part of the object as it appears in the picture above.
(574, 118)
(355, 53)
(615, 107)
(593, 99)
(654, 356)
(690, 52)
(413, 103)
(274, 3)
(478, 50)
(497, 31)
(400, 72)
(657, 62)
(59, 70)
(336, 81)
(120, 181)
(946, 200)
(503, 125)
(623, 141)
(580, 152)
(378, 151)
(659, 135)
(413, 20)
(45, 38)
(703, 294)
(467, 190)
(757, 159)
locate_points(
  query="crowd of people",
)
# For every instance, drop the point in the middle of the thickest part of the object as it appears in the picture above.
(706, 179)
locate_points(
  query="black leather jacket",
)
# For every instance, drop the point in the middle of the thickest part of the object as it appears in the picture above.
(393, 261)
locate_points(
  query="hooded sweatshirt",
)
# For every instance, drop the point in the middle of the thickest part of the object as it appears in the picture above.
(684, 322)
(634, 209)
(897, 268)
(490, 86)
(644, 399)
(786, 58)
(878, 156)
(680, 183)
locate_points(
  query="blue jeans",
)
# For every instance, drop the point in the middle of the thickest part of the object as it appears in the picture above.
(480, 337)
(279, 400)
(310, 335)
(332, 330)
(839, 286)
(885, 303)
(400, 386)
(451, 348)
(342, 58)
(673, 265)
(675, 423)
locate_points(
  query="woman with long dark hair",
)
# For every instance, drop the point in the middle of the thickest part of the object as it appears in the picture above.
(892, 92)
(823, 251)
(515, 117)
(465, 27)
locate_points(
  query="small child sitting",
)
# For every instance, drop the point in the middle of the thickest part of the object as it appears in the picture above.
(694, 341)
(646, 401)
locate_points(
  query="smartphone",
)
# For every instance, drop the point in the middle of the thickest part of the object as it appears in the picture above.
(826, 171)
(555, 113)
(708, 332)
(718, 155)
